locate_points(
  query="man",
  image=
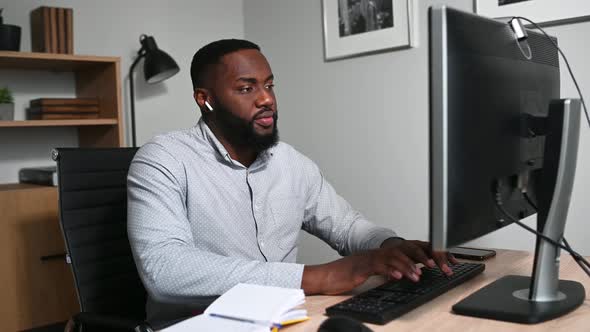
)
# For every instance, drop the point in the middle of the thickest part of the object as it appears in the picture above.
(223, 202)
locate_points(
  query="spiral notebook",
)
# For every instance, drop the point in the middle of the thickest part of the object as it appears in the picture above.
(248, 308)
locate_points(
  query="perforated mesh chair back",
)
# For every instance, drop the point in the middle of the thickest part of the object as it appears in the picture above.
(93, 218)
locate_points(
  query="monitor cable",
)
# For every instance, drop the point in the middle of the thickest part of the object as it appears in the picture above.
(579, 259)
(582, 262)
(521, 34)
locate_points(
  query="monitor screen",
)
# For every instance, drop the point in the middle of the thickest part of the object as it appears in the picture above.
(502, 147)
(482, 87)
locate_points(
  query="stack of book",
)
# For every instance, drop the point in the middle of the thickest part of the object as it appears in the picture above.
(63, 108)
(45, 176)
(52, 30)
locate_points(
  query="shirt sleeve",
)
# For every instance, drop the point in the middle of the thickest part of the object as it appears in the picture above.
(332, 219)
(168, 262)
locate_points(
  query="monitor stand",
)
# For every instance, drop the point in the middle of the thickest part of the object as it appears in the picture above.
(543, 296)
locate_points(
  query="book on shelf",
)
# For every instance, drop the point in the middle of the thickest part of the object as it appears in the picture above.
(52, 30)
(69, 31)
(246, 307)
(61, 116)
(61, 30)
(46, 176)
(40, 33)
(64, 102)
(64, 109)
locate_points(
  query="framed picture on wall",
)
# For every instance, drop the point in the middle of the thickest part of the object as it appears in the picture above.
(542, 12)
(355, 27)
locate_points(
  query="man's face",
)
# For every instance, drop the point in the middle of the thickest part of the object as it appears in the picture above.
(245, 104)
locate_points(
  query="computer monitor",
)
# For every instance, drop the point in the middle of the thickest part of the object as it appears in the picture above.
(499, 132)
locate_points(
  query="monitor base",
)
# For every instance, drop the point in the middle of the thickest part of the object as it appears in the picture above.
(497, 301)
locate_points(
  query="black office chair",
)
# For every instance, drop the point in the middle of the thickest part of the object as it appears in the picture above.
(93, 218)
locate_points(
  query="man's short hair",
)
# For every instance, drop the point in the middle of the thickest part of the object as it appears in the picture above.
(211, 53)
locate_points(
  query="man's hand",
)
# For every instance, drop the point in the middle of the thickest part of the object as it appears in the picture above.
(420, 252)
(396, 258)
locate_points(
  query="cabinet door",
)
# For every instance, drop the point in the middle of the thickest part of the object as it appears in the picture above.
(34, 292)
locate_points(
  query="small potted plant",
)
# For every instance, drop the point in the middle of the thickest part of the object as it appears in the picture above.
(6, 105)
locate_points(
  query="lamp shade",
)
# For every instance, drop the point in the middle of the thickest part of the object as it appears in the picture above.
(158, 65)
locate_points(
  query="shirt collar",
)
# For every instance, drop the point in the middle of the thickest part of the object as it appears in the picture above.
(210, 137)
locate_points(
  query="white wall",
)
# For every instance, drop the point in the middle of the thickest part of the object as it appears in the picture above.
(365, 120)
(112, 28)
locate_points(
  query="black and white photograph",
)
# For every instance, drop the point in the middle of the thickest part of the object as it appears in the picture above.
(542, 12)
(508, 2)
(360, 16)
(360, 27)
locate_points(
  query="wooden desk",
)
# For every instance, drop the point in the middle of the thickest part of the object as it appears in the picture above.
(33, 292)
(436, 315)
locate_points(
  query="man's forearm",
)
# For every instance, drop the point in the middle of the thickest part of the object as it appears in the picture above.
(311, 282)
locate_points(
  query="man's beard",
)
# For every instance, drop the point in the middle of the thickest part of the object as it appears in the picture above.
(241, 133)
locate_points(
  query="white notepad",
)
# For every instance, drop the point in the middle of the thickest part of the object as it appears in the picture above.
(208, 323)
(248, 308)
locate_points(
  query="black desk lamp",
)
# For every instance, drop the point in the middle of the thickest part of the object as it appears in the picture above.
(158, 66)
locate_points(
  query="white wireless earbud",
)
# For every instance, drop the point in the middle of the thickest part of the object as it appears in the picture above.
(209, 106)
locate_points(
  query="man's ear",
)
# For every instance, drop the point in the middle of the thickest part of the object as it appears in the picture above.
(201, 96)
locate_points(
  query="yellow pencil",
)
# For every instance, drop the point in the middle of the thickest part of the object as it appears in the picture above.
(293, 321)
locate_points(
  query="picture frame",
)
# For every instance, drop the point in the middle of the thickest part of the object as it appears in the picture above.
(359, 27)
(542, 12)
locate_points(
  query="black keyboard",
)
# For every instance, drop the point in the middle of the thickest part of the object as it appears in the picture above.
(395, 298)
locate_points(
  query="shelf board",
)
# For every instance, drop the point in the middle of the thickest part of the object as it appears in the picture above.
(58, 123)
(52, 61)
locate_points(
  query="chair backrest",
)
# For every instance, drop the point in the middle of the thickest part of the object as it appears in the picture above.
(93, 216)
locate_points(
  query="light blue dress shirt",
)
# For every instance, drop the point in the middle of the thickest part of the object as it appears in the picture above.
(200, 222)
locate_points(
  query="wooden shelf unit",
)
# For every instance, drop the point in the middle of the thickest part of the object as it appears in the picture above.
(58, 123)
(96, 77)
(41, 292)
(52, 61)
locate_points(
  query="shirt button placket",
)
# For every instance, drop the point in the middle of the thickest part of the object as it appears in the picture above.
(256, 213)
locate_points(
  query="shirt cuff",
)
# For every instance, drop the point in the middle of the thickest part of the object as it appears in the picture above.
(287, 275)
(379, 236)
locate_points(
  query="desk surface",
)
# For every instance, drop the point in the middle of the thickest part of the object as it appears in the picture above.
(436, 315)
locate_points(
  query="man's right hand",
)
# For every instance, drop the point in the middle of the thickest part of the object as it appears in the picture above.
(349, 272)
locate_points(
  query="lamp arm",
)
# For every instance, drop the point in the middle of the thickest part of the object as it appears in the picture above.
(140, 54)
